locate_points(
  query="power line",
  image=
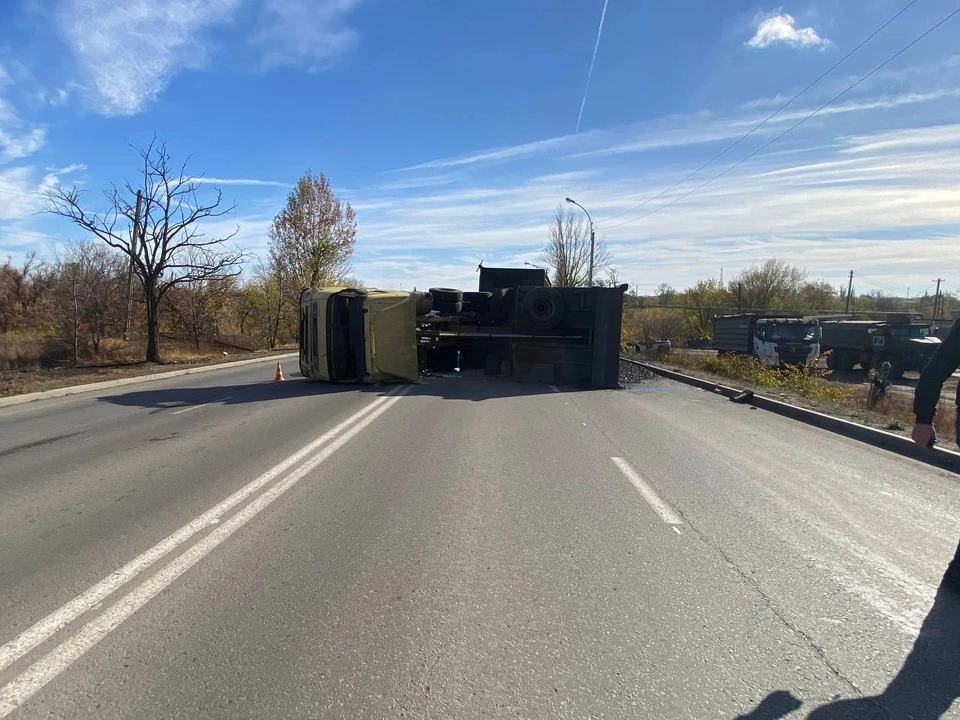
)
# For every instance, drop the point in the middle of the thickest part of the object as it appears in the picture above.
(766, 119)
(797, 124)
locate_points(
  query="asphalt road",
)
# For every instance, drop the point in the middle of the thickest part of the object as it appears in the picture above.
(221, 546)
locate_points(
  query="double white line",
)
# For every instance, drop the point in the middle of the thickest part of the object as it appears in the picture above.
(31, 680)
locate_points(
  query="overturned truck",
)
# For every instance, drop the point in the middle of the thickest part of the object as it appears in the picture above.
(515, 325)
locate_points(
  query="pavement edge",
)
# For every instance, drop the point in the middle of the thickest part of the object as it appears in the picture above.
(107, 384)
(939, 457)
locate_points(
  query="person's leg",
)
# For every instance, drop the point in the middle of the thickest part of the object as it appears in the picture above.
(952, 576)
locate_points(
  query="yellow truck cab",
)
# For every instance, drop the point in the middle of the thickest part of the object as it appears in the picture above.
(369, 335)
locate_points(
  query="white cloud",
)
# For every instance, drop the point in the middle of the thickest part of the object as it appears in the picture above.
(128, 52)
(239, 181)
(933, 136)
(18, 138)
(503, 153)
(22, 189)
(304, 32)
(15, 146)
(782, 28)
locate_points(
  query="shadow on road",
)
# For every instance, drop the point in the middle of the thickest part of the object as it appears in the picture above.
(924, 689)
(467, 386)
(177, 397)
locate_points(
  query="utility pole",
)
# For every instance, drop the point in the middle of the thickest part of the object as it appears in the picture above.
(739, 297)
(135, 247)
(849, 290)
(937, 300)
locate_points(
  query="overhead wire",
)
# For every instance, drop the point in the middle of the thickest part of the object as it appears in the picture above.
(797, 124)
(767, 119)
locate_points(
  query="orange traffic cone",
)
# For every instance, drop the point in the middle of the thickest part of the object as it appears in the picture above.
(279, 377)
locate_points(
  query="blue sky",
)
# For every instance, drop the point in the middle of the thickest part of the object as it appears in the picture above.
(451, 127)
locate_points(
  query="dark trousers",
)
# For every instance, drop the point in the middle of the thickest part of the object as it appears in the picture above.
(953, 569)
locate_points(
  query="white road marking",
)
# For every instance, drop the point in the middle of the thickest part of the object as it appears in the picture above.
(665, 512)
(194, 407)
(45, 628)
(21, 688)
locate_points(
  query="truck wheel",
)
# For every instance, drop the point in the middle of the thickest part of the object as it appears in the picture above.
(446, 295)
(477, 302)
(844, 360)
(542, 308)
(424, 303)
(446, 307)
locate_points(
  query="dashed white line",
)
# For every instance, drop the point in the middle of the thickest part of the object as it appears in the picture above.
(194, 407)
(24, 686)
(666, 513)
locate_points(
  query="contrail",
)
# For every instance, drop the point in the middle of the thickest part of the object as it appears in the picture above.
(592, 61)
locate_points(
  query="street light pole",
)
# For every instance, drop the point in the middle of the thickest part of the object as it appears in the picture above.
(574, 202)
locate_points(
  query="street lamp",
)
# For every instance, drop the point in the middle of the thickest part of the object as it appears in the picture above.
(574, 202)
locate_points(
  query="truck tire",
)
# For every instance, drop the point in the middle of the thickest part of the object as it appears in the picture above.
(424, 303)
(477, 302)
(446, 307)
(472, 297)
(446, 295)
(542, 308)
(844, 360)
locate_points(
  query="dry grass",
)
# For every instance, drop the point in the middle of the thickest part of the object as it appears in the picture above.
(805, 381)
(812, 387)
(19, 382)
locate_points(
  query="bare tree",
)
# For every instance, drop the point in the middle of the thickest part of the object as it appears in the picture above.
(198, 306)
(158, 226)
(567, 251)
(88, 295)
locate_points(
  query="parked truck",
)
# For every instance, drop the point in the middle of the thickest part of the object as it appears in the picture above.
(776, 340)
(530, 332)
(905, 343)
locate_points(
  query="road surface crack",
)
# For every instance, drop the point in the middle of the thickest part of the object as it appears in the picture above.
(784, 620)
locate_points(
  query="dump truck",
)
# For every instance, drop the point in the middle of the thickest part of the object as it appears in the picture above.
(905, 343)
(776, 340)
(531, 332)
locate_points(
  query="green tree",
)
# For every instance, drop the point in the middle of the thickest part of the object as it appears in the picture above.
(704, 300)
(773, 284)
(313, 236)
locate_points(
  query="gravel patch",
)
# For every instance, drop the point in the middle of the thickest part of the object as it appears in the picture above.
(630, 374)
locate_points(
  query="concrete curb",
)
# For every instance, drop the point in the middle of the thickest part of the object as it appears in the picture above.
(107, 384)
(939, 457)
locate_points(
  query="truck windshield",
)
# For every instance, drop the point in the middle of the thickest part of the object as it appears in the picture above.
(910, 331)
(791, 332)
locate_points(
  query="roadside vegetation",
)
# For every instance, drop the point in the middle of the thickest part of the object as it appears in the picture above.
(894, 412)
(155, 274)
(685, 316)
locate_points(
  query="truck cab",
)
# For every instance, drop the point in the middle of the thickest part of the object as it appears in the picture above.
(776, 340)
(905, 343)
